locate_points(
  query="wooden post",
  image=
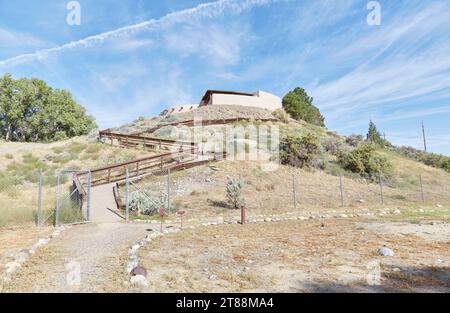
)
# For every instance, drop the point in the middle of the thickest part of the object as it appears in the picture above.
(342, 190)
(421, 188)
(109, 175)
(243, 217)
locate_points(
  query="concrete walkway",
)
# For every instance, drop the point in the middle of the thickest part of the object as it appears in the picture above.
(103, 205)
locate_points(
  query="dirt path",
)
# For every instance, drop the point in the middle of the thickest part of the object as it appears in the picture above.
(99, 250)
(103, 204)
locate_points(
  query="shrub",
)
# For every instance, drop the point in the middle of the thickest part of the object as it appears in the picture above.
(354, 140)
(364, 161)
(282, 115)
(234, 193)
(299, 151)
(146, 205)
(331, 145)
(430, 159)
(9, 156)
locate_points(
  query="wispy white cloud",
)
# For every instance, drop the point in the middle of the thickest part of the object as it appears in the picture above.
(395, 69)
(10, 40)
(219, 44)
(207, 10)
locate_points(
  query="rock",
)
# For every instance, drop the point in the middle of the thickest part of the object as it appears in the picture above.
(439, 206)
(21, 257)
(396, 269)
(213, 277)
(384, 251)
(397, 211)
(12, 267)
(139, 280)
(131, 265)
(42, 242)
(360, 201)
(139, 270)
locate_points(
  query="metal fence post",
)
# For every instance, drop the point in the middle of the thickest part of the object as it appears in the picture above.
(293, 191)
(127, 203)
(88, 196)
(381, 189)
(38, 221)
(57, 199)
(168, 189)
(342, 190)
(421, 188)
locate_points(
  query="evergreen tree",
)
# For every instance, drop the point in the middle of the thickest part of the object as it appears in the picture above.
(300, 106)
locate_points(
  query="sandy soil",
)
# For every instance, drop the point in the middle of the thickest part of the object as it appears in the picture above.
(13, 239)
(299, 256)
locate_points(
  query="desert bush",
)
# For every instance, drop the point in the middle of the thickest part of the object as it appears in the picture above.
(139, 201)
(354, 140)
(331, 145)
(430, 159)
(235, 197)
(9, 156)
(282, 115)
(299, 151)
(364, 161)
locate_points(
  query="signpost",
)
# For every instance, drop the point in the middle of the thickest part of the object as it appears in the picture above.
(162, 212)
(242, 214)
(181, 214)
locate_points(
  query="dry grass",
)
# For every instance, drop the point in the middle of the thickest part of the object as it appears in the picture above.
(293, 256)
(271, 192)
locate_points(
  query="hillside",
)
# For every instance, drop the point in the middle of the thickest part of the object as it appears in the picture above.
(311, 228)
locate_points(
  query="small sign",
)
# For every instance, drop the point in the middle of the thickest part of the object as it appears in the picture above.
(181, 213)
(162, 212)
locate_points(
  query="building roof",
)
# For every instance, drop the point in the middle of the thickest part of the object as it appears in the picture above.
(208, 94)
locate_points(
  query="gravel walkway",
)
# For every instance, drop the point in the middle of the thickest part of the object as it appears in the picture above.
(99, 249)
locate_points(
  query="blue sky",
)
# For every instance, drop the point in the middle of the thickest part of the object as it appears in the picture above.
(133, 57)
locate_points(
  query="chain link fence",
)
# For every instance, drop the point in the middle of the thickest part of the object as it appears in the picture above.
(202, 191)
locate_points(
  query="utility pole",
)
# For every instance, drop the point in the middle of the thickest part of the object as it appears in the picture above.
(424, 138)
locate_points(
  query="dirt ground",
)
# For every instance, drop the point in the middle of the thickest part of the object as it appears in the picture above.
(333, 255)
(23, 236)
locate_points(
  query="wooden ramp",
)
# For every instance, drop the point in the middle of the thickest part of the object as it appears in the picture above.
(103, 205)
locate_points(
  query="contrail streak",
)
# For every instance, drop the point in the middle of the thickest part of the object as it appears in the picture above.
(206, 10)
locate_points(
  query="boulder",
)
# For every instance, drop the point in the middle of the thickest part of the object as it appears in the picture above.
(139, 270)
(385, 251)
(139, 281)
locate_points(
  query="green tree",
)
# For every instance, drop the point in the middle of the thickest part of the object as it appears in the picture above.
(373, 135)
(30, 110)
(300, 106)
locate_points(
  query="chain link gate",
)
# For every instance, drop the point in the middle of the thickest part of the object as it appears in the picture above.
(146, 196)
(66, 200)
